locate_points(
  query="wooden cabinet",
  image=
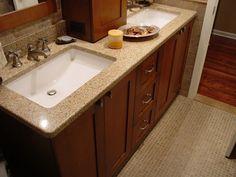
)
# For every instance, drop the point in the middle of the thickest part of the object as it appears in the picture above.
(181, 51)
(96, 143)
(165, 71)
(100, 141)
(114, 125)
(145, 99)
(27, 153)
(75, 147)
(172, 62)
(91, 19)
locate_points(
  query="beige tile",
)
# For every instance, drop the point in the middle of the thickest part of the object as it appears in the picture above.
(195, 143)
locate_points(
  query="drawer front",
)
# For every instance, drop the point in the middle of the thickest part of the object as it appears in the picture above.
(142, 126)
(145, 98)
(148, 69)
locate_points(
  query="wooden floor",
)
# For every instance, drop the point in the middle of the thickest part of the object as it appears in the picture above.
(219, 74)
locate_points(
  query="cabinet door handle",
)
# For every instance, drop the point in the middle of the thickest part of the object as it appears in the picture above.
(149, 70)
(145, 127)
(100, 103)
(109, 94)
(147, 99)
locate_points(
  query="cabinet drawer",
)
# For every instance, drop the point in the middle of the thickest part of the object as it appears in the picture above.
(148, 69)
(141, 128)
(145, 98)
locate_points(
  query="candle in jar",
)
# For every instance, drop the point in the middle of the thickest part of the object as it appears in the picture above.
(115, 39)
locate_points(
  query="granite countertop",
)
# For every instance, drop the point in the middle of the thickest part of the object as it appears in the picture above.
(50, 121)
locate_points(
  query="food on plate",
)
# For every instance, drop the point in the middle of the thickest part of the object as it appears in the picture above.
(139, 30)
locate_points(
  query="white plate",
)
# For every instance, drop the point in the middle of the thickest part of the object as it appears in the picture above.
(126, 27)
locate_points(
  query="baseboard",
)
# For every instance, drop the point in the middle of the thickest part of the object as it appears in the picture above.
(224, 34)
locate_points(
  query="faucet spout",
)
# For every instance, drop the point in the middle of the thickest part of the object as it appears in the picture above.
(131, 4)
(33, 53)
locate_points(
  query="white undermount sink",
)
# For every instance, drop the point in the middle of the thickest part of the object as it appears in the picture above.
(56, 79)
(151, 17)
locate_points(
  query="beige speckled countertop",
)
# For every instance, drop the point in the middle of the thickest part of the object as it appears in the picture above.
(49, 122)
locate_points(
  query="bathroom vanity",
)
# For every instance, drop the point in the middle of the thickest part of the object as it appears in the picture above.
(94, 131)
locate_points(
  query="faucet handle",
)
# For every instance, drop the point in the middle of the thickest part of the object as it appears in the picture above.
(42, 45)
(17, 53)
(31, 47)
(14, 57)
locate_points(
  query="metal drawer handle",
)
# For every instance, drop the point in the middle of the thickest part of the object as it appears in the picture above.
(148, 98)
(145, 127)
(149, 70)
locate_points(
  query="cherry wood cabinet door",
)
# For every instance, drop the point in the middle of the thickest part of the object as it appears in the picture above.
(114, 127)
(75, 147)
(90, 20)
(181, 51)
(165, 71)
(106, 15)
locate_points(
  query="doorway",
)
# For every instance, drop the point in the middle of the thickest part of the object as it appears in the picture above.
(218, 80)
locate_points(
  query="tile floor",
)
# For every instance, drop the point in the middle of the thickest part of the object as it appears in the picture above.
(189, 141)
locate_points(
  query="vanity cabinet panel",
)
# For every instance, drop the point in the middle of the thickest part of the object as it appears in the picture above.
(75, 147)
(165, 71)
(147, 71)
(90, 20)
(172, 62)
(143, 126)
(28, 154)
(181, 51)
(145, 98)
(116, 125)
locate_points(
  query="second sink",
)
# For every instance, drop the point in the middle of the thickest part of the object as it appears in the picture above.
(152, 17)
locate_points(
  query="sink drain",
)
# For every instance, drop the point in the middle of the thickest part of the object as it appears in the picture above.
(52, 92)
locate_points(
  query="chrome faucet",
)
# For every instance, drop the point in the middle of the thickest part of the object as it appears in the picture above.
(41, 49)
(131, 4)
(42, 44)
(14, 57)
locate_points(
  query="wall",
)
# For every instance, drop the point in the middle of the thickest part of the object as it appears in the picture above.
(6, 6)
(225, 18)
(19, 37)
(200, 8)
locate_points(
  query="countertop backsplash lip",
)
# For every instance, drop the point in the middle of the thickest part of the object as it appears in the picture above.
(61, 115)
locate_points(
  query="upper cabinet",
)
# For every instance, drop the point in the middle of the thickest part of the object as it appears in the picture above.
(27, 12)
(90, 20)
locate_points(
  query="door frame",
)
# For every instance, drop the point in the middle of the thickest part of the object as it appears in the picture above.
(206, 32)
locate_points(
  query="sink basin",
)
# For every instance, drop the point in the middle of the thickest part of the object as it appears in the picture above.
(152, 17)
(56, 79)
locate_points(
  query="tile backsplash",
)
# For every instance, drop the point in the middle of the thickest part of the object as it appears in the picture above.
(18, 38)
(6, 6)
